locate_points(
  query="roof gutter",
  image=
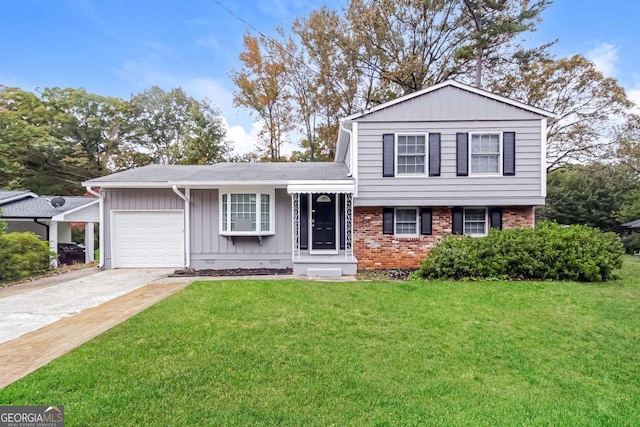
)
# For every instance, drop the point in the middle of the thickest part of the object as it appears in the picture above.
(187, 222)
(100, 197)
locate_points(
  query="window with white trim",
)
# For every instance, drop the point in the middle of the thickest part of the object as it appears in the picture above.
(411, 154)
(475, 221)
(406, 222)
(485, 153)
(249, 213)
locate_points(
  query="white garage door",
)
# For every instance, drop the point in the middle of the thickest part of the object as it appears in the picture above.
(148, 239)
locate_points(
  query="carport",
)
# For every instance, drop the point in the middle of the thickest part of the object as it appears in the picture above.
(51, 217)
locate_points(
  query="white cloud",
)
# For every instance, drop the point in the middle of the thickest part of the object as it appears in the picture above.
(242, 141)
(634, 96)
(604, 56)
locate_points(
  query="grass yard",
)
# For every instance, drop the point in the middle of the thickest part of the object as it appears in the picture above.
(365, 353)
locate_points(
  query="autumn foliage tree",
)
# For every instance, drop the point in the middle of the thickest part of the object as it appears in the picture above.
(591, 108)
(261, 87)
(334, 63)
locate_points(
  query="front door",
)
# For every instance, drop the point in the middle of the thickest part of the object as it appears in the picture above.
(323, 221)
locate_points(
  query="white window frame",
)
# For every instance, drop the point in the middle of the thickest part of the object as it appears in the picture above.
(486, 221)
(258, 192)
(395, 221)
(426, 154)
(470, 147)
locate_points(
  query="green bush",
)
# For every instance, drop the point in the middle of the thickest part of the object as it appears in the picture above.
(23, 255)
(546, 252)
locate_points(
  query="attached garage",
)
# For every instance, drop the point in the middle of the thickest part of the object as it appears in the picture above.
(147, 239)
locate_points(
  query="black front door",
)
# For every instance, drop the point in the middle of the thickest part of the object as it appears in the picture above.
(323, 220)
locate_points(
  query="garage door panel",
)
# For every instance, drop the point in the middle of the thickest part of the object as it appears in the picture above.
(148, 239)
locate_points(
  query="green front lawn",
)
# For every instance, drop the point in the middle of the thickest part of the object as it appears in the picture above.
(365, 353)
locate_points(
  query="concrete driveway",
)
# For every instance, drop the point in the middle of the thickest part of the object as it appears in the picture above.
(27, 311)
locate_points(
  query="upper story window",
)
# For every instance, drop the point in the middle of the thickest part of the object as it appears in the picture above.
(246, 213)
(475, 221)
(485, 153)
(406, 222)
(411, 154)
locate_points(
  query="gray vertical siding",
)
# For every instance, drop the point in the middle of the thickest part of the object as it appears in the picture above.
(449, 103)
(211, 250)
(134, 199)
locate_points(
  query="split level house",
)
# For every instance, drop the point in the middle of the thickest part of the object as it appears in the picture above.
(450, 159)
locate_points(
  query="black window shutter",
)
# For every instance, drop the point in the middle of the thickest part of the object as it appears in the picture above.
(426, 221)
(462, 154)
(341, 199)
(457, 226)
(509, 153)
(388, 154)
(495, 214)
(387, 220)
(434, 154)
(304, 221)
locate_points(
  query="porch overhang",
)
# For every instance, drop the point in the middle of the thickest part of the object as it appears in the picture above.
(337, 187)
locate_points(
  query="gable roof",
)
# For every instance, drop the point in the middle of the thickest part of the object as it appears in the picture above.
(8, 196)
(40, 207)
(224, 174)
(451, 83)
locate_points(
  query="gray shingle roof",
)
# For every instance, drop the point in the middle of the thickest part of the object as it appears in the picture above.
(229, 172)
(40, 207)
(7, 194)
(632, 224)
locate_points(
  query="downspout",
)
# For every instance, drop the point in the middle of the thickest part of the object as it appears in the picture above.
(100, 197)
(351, 143)
(46, 226)
(187, 222)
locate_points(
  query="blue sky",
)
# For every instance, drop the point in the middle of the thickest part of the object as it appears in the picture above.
(122, 47)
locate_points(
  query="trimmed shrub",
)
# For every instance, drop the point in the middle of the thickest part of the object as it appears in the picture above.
(546, 252)
(23, 255)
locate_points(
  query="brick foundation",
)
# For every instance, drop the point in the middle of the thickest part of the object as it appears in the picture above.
(375, 250)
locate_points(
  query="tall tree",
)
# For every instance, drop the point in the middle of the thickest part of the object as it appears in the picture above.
(333, 64)
(494, 26)
(261, 87)
(173, 128)
(596, 194)
(589, 106)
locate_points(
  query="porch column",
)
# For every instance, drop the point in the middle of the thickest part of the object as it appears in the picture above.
(348, 227)
(53, 242)
(88, 243)
(295, 219)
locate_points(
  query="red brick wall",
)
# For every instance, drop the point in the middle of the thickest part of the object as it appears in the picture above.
(375, 250)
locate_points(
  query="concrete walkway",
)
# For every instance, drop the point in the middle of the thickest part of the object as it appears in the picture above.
(22, 312)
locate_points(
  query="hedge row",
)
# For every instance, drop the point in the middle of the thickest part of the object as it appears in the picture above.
(546, 252)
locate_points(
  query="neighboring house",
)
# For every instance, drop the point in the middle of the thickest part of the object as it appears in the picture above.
(26, 211)
(8, 196)
(448, 159)
(632, 226)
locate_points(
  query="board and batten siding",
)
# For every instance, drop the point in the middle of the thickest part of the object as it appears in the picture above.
(210, 250)
(134, 199)
(448, 189)
(449, 103)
